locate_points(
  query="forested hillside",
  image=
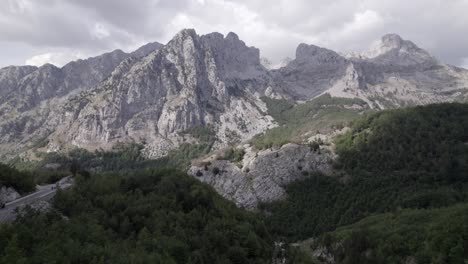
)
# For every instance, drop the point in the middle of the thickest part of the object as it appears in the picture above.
(399, 192)
(423, 235)
(146, 217)
(22, 182)
(410, 158)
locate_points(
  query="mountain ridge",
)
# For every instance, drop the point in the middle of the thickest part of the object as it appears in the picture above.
(147, 96)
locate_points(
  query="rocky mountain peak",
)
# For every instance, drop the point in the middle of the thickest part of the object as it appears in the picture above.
(188, 33)
(392, 40)
(48, 67)
(311, 72)
(315, 54)
(234, 59)
(151, 94)
(232, 36)
(146, 49)
(394, 49)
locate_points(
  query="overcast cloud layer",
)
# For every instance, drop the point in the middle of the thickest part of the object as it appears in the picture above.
(57, 31)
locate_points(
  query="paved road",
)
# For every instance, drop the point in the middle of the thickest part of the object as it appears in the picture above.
(43, 192)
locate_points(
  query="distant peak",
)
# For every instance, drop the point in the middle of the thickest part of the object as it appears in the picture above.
(48, 66)
(188, 32)
(394, 44)
(306, 52)
(232, 35)
(394, 39)
(146, 49)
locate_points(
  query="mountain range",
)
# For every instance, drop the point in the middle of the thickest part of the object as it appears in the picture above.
(152, 94)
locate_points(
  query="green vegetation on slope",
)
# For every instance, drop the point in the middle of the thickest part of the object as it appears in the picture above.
(146, 217)
(429, 142)
(427, 235)
(233, 154)
(407, 158)
(22, 182)
(124, 157)
(324, 113)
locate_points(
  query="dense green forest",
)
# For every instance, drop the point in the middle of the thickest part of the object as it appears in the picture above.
(22, 182)
(296, 121)
(154, 216)
(408, 158)
(399, 192)
(424, 235)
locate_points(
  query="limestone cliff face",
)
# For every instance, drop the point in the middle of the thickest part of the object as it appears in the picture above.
(262, 175)
(193, 80)
(31, 97)
(313, 71)
(154, 92)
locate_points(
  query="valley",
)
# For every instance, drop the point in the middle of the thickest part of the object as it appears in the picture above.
(196, 152)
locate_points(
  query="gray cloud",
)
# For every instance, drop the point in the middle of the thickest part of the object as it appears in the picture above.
(55, 31)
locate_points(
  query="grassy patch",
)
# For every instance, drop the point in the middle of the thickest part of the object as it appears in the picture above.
(323, 114)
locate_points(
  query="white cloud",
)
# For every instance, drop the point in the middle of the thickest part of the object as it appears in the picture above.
(18, 6)
(464, 63)
(363, 22)
(275, 28)
(100, 31)
(56, 58)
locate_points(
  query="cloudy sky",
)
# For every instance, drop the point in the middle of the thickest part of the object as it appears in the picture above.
(57, 31)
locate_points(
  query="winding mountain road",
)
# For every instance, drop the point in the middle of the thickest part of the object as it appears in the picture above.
(43, 192)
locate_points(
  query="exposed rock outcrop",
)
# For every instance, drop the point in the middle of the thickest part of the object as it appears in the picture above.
(312, 72)
(193, 80)
(31, 98)
(262, 175)
(395, 73)
(8, 194)
(152, 93)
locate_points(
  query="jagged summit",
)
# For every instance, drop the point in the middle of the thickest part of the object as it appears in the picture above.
(316, 54)
(392, 39)
(153, 93)
(233, 36)
(146, 49)
(393, 48)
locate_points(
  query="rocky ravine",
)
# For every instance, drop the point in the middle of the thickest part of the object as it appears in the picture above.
(149, 95)
(262, 176)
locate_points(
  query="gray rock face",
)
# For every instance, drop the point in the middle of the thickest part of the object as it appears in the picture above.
(23, 88)
(154, 92)
(32, 97)
(146, 49)
(9, 78)
(395, 73)
(263, 175)
(48, 81)
(392, 50)
(313, 71)
(8, 194)
(191, 81)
